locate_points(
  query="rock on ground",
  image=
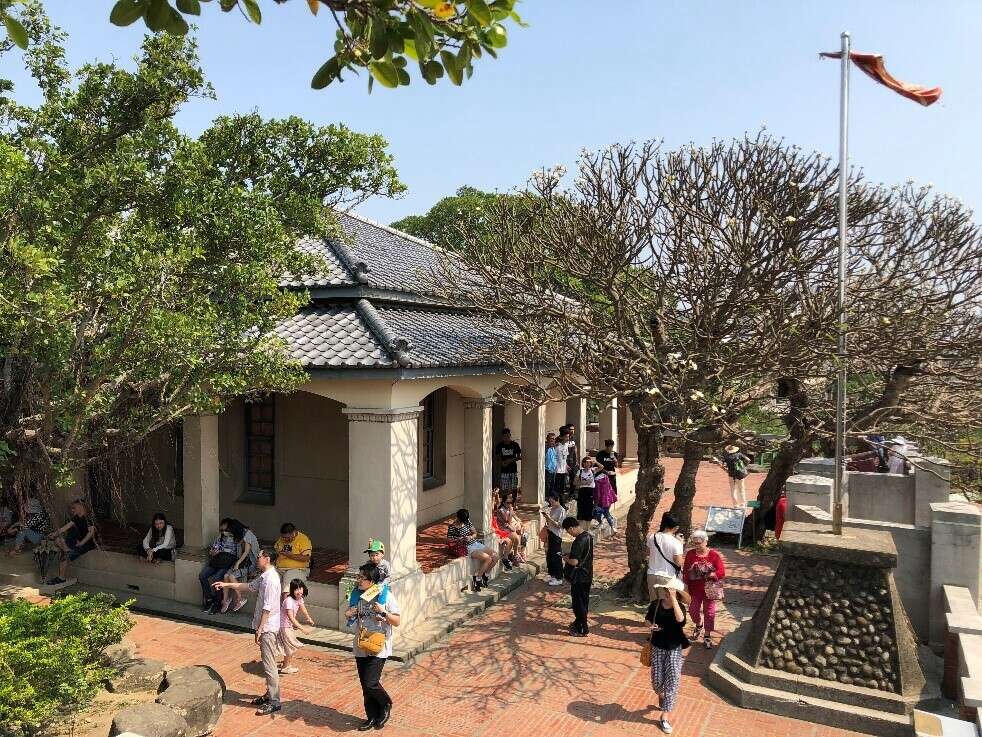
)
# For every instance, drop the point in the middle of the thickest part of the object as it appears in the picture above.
(148, 720)
(192, 674)
(139, 674)
(199, 703)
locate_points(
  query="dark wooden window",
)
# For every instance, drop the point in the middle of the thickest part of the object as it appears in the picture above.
(260, 440)
(429, 437)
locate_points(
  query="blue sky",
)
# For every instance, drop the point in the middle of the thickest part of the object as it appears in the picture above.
(588, 73)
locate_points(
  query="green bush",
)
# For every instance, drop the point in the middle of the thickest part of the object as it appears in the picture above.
(51, 657)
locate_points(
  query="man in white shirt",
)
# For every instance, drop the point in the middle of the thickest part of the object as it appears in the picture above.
(664, 555)
(266, 623)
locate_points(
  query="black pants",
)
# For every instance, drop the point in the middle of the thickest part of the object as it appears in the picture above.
(162, 554)
(554, 557)
(580, 593)
(376, 698)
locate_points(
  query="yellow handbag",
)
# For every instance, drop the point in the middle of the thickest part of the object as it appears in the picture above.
(646, 654)
(371, 642)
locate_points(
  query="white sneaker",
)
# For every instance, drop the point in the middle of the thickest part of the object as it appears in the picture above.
(665, 726)
(554, 582)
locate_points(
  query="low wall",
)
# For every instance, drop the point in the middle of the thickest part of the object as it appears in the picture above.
(962, 681)
(123, 572)
(884, 497)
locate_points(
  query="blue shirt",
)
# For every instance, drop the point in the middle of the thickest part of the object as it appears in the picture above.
(552, 460)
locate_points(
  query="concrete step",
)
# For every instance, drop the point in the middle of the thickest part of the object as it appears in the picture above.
(808, 708)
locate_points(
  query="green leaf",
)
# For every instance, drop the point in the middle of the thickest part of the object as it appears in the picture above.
(455, 73)
(191, 7)
(177, 26)
(431, 70)
(423, 32)
(479, 11)
(403, 76)
(385, 72)
(498, 36)
(409, 49)
(157, 15)
(126, 12)
(252, 10)
(378, 41)
(328, 72)
(16, 31)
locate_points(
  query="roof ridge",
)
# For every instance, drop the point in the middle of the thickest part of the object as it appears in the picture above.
(398, 347)
(395, 231)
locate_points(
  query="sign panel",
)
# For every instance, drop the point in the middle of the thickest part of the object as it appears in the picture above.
(725, 519)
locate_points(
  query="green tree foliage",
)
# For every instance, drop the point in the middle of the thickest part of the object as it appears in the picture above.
(140, 268)
(380, 36)
(51, 657)
(466, 213)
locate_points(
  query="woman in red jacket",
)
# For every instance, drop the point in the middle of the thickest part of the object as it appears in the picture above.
(703, 573)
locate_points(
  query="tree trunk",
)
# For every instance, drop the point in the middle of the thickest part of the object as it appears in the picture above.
(648, 492)
(798, 444)
(685, 487)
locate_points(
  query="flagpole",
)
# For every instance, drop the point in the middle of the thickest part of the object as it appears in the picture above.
(840, 493)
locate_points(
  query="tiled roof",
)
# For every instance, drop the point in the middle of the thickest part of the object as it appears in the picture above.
(443, 338)
(340, 336)
(334, 273)
(332, 337)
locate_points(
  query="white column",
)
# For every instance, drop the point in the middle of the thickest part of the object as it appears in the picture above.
(200, 479)
(932, 484)
(576, 413)
(555, 416)
(478, 444)
(383, 479)
(608, 424)
(533, 449)
(956, 557)
(513, 420)
(630, 434)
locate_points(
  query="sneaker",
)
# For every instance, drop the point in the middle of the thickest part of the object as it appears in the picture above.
(242, 603)
(215, 608)
(260, 700)
(475, 584)
(554, 582)
(225, 605)
(707, 643)
(665, 726)
(367, 725)
(485, 581)
(697, 632)
(506, 564)
(267, 708)
(289, 671)
(206, 607)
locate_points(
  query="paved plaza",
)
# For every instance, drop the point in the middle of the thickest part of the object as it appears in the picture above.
(511, 671)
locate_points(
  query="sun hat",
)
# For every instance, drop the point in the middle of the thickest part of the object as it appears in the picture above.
(731, 449)
(671, 583)
(375, 546)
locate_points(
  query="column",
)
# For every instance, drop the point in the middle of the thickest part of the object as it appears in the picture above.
(576, 413)
(956, 557)
(608, 424)
(478, 444)
(200, 479)
(533, 468)
(383, 483)
(513, 421)
(630, 434)
(555, 416)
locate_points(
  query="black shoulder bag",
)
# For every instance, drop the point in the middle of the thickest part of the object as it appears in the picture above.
(676, 566)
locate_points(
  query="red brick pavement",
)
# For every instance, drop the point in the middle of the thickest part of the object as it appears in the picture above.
(511, 671)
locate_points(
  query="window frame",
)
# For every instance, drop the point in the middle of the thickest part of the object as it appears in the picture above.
(253, 494)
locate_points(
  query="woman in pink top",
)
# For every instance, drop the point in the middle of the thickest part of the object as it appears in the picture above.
(703, 568)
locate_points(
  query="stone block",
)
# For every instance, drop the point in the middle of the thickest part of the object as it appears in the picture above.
(192, 674)
(198, 702)
(808, 490)
(138, 674)
(148, 720)
(115, 656)
(816, 467)
(855, 546)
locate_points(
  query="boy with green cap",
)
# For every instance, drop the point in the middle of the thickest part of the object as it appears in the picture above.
(376, 555)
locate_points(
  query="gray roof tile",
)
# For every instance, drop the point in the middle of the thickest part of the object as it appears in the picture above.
(444, 338)
(332, 336)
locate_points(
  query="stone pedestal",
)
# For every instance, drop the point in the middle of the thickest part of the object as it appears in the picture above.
(831, 642)
(807, 490)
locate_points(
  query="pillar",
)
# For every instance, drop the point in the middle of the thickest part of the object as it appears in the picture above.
(576, 413)
(630, 440)
(932, 484)
(200, 480)
(383, 483)
(555, 416)
(533, 468)
(608, 424)
(478, 444)
(513, 421)
(956, 557)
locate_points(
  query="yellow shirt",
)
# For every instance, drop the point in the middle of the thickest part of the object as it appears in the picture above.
(299, 545)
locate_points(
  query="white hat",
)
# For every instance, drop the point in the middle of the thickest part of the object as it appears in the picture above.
(672, 583)
(700, 534)
(731, 449)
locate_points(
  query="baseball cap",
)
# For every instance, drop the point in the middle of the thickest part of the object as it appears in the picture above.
(375, 546)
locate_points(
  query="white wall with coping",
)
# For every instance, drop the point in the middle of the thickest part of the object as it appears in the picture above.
(956, 557)
(963, 650)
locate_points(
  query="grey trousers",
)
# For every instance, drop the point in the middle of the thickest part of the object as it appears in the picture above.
(267, 650)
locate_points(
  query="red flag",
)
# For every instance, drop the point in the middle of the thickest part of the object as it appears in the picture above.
(873, 66)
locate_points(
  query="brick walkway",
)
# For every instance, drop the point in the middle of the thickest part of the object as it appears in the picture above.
(512, 671)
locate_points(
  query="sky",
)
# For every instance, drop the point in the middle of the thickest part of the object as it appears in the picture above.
(588, 73)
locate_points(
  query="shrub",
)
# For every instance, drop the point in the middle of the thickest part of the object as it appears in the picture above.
(50, 657)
